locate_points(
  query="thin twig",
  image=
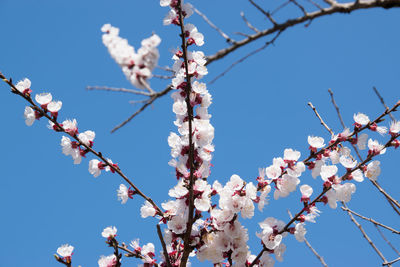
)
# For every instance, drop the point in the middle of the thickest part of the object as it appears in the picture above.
(149, 102)
(391, 262)
(320, 119)
(212, 25)
(387, 241)
(280, 7)
(315, 4)
(337, 108)
(166, 256)
(164, 77)
(266, 13)
(333, 9)
(371, 220)
(245, 57)
(383, 102)
(114, 89)
(321, 259)
(365, 234)
(248, 23)
(299, 6)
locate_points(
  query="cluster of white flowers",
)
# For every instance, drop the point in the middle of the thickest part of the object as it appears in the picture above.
(137, 66)
(147, 252)
(220, 238)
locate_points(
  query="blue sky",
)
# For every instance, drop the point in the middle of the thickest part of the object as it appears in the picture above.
(259, 109)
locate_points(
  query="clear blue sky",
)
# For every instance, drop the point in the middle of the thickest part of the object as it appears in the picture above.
(259, 109)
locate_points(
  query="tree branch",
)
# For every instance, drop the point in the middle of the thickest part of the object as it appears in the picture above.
(80, 143)
(333, 9)
(371, 220)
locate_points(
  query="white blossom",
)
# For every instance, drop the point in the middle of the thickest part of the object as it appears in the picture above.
(29, 115)
(147, 210)
(65, 250)
(373, 170)
(361, 119)
(109, 232)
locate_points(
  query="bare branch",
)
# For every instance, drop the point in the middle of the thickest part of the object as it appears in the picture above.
(391, 262)
(248, 23)
(315, 4)
(245, 57)
(336, 8)
(383, 102)
(266, 13)
(371, 220)
(212, 25)
(337, 108)
(320, 118)
(114, 89)
(149, 102)
(365, 234)
(299, 6)
(387, 241)
(280, 7)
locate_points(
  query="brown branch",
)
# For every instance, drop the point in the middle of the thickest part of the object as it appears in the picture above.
(333, 9)
(391, 262)
(371, 220)
(248, 23)
(299, 6)
(165, 252)
(186, 240)
(80, 143)
(365, 234)
(321, 259)
(383, 102)
(212, 25)
(144, 106)
(246, 57)
(315, 4)
(67, 263)
(387, 241)
(114, 89)
(320, 118)
(280, 7)
(337, 108)
(266, 13)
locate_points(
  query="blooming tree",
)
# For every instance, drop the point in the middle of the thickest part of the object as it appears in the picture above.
(203, 217)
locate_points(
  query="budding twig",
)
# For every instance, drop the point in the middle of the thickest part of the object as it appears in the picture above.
(88, 148)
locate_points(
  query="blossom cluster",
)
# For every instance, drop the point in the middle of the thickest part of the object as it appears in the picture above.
(137, 66)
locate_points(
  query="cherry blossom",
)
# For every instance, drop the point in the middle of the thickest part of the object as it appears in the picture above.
(147, 210)
(24, 86)
(65, 250)
(360, 119)
(107, 261)
(394, 127)
(109, 232)
(30, 116)
(373, 170)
